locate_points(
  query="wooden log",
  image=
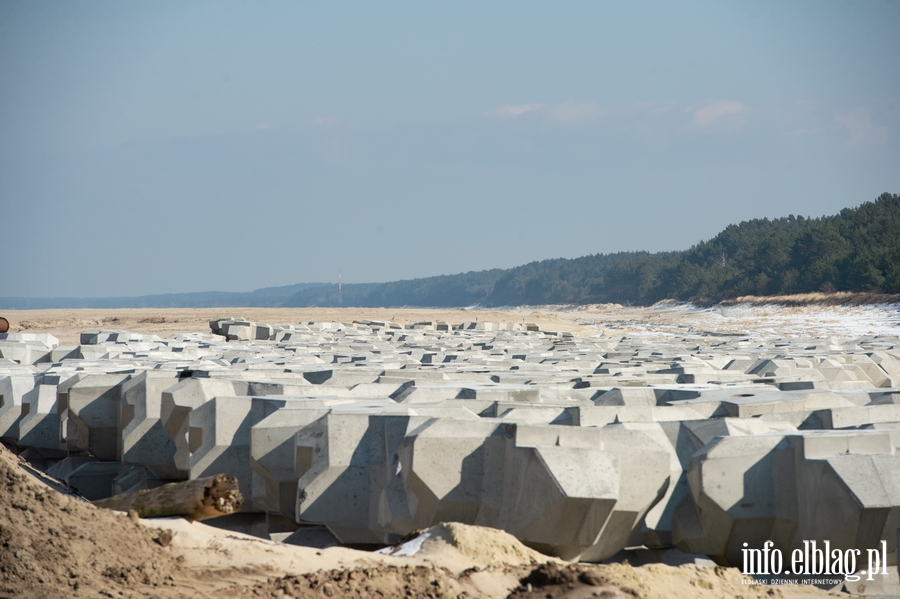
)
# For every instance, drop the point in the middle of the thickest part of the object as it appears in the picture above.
(196, 499)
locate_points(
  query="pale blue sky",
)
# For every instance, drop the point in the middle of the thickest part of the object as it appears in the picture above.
(155, 147)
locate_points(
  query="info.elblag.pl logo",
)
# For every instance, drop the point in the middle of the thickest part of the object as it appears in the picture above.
(814, 560)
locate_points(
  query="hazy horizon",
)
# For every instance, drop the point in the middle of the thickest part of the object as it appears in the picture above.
(165, 147)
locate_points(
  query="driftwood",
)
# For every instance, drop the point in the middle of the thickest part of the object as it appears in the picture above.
(196, 499)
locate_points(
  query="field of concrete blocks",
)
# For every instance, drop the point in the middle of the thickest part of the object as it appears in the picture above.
(578, 446)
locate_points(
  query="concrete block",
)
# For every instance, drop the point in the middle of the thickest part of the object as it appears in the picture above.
(24, 352)
(858, 417)
(143, 439)
(569, 492)
(91, 414)
(349, 476)
(179, 401)
(771, 487)
(12, 390)
(94, 480)
(40, 426)
(238, 331)
(317, 537)
(64, 352)
(753, 481)
(134, 479)
(627, 396)
(219, 438)
(274, 483)
(63, 468)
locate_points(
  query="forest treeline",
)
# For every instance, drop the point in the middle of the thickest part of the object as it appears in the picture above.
(855, 250)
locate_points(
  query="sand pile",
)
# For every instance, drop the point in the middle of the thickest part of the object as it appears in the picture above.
(659, 581)
(488, 546)
(465, 546)
(51, 543)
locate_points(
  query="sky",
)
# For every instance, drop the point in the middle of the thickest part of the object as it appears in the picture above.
(164, 147)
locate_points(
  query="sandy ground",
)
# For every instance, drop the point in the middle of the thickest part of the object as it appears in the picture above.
(67, 324)
(608, 320)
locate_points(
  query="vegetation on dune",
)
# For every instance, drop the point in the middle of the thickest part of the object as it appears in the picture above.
(856, 250)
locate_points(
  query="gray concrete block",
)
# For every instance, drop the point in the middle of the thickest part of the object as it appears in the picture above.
(317, 537)
(63, 468)
(94, 480)
(219, 438)
(274, 482)
(143, 439)
(91, 414)
(348, 476)
(40, 426)
(12, 390)
(771, 487)
(134, 479)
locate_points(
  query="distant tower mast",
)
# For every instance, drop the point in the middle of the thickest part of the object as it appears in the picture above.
(340, 290)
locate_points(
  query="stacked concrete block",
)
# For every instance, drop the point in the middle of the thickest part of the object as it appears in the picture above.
(840, 486)
(63, 468)
(349, 457)
(579, 446)
(218, 325)
(40, 426)
(348, 471)
(133, 479)
(627, 396)
(645, 475)
(859, 416)
(176, 405)
(94, 480)
(12, 390)
(20, 352)
(272, 456)
(114, 336)
(683, 439)
(219, 438)
(91, 414)
(567, 492)
(142, 437)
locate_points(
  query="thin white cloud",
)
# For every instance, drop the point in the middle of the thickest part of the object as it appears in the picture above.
(717, 109)
(514, 110)
(575, 113)
(859, 126)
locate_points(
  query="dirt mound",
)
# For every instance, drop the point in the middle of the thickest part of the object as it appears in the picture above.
(380, 581)
(52, 544)
(552, 581)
